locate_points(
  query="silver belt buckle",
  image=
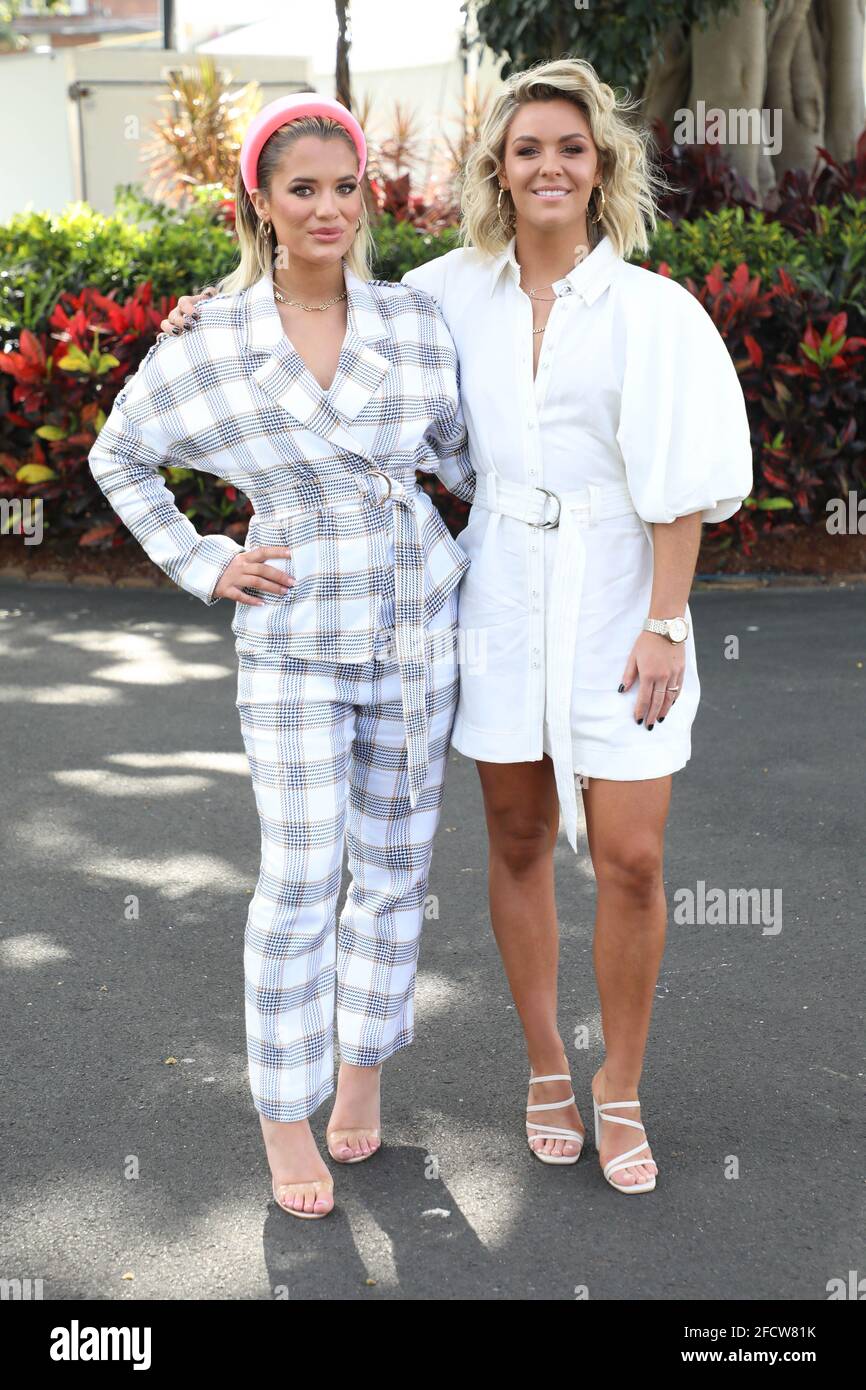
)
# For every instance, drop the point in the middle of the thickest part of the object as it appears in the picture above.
(380, 473)
(548, 525)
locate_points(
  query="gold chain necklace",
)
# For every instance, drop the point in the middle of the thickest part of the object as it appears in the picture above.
(533, 294)
(296, 303)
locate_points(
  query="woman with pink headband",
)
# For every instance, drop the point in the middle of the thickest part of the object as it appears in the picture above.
(320, 393)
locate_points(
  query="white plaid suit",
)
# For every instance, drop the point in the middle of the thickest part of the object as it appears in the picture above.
(371, 556)
(231, 397)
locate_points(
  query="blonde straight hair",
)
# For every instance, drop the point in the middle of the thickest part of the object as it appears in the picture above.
(630, 183)
(257, 251)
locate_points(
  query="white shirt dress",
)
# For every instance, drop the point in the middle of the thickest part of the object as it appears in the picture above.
(636, 415)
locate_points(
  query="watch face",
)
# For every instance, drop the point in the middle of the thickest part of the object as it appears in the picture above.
(678, 629)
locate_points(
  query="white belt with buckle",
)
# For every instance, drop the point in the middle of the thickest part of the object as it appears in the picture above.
(568, 512)
(409, 630)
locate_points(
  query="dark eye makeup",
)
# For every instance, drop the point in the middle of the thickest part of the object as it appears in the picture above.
(304, 187)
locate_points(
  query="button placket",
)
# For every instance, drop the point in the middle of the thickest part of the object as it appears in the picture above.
(532, 390)
(552, 332)
(529, 400)
(536, 476)
(541, 388)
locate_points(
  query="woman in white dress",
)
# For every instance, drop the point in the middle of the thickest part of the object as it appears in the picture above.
(606, 424)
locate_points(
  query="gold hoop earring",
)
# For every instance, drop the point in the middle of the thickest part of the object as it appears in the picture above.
(502, 221)
(600, 192)
(358, 228)
(264, 228)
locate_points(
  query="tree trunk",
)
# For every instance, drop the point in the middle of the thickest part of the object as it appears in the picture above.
(801, 63)
(343, 86)
(846, 109)
(342, 81)
(667, 80)
(729, 72)
(795, 84)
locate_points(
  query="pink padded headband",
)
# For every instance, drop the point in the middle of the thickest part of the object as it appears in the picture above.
(280, 112)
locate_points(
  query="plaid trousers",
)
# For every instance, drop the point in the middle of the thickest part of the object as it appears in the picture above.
(326, 746)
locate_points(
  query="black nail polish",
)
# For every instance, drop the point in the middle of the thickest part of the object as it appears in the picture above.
(640, 721)
(621, 688)
(650, 726)
(661, 719)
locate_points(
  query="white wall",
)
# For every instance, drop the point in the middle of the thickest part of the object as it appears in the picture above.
(35, 167)
(67, 148)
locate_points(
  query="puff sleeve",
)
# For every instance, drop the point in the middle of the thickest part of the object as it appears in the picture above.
(125, 460)
(683, 430)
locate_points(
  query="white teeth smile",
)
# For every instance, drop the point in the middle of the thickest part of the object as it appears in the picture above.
(550, 192)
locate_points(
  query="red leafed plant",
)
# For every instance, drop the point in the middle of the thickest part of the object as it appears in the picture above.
(701, 179)
(803, 381)
(63, 386)
(395, 197)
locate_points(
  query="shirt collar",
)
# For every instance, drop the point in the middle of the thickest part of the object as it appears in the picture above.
(587, 280)
(264, 329)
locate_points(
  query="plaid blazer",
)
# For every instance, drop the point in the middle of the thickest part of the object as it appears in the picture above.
(231, 397)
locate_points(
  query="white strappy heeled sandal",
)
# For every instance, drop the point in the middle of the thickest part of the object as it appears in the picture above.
(627, 1159)
(553, 1131)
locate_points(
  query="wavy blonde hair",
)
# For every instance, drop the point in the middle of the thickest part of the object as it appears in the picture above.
(257, 251)
(630, 182)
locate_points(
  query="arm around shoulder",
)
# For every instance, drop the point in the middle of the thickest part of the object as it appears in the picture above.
(428, 277)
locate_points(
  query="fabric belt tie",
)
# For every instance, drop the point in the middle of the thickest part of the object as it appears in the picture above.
(569, 512)
(401, 488)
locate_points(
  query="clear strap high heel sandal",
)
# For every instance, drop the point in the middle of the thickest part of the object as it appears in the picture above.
(627, 1159)
(323, 1189)
(374, 1135)
(553, 1131)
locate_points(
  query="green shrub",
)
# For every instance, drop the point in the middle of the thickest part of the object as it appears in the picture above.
(836, 255)
(401, 247)
(830, 261)
(727, 237)
(42, 254)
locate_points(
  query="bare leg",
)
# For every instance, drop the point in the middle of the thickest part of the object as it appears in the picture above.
(522, 812)
(625, 824)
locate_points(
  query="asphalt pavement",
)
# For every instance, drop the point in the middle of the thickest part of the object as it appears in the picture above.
(133, 1165)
